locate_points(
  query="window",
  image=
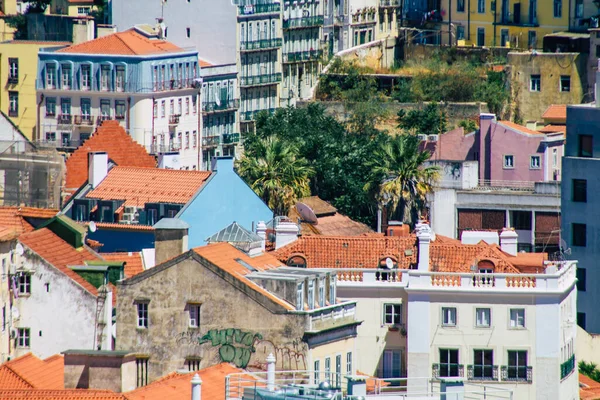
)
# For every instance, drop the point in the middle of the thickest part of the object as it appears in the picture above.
(192, 364)
(504, 37)
(535, 83)
(449, 316)
(3, 318)
(517, 365)
(483, 364)
(23, 337)
(120, 75)
(13, 70)
(24, 284)
(50, 106)
(586, 146)
(187, 106)
(509, 161)
(188, 32)
(448, 363)
(141, 371)
(481, 6)
(142, 315)
(317, 370)
(105, 77)
(50, 76)
(581, 281)
(332, 289)
(534, 162)
(565, 83)
(579, 233)
(349, 370)
(194, 313)
(460, 32)
(482, 317)
(300, 296)
(13, 104)
(554, 158)
(194, 139)
(86, 77)
(162, 109)
(578, 8)
(392, 363)
(155, 109)
(338, 370)
(105, 108)
(51, 137)
(532, 38)
(172, 107)
(66, 76)
(311, 294)
(580, 190)
(480, 37)
(517, 318)
(460, 5)
(328, 369)
(187, 140)
(65, 107)
(83, 10)
(392, 314)
(581, 319)
(120, 109)
(597, 51)
(86, 108)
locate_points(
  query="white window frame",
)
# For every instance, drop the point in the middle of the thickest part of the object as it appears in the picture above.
(311, 294)
(23, 338)
(554, 157)
(349, 363)
(194, 315)
(392, 313)
(120, 78)
(535, 87)
(506, 164)
(483, 317)
(517, 318)
(300, 296)
(24, 283)
(143, 320)
(449, 316)
(533, 165)
(86, 77)
(332, 288)
(66, 76)
(317, 371)
(50, 76)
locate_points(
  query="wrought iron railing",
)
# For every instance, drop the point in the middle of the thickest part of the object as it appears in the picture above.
(516, 373)
(303, 22)
(211, 141)
(174, 119)
(303, 55)
(260, 44)
(249, 115)
(260, 79)
(567, 367)
(482, 372)
(259, 9)
(222, 106)
(445, 370)
(231, 138)
(64, 119)
(389, 3)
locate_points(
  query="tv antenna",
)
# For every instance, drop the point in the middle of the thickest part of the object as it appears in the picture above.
(306, 214)
(389, 263)
(19, 249)
(92, 227)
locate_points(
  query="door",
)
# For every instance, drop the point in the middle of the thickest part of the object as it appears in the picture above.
(480, 37)
(392, 363)
(503, 37)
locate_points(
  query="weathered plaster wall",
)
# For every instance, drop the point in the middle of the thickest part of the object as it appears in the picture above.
(84, 371)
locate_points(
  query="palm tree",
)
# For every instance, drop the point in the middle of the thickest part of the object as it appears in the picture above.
(276, 172)
(399, 176)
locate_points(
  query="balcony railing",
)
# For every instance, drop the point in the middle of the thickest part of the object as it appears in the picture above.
(363, 18)
(389, 3)
(448, 370)
(262, 44)
(163, 148)
(482, 372)
(64, 119)
(260, 79)
(229, 138)
(513, 373)
(521, 20)
(567, 367)
(486, 184)
(222, 106)
(249, 115)
(83, 120)
(174, 119)
(368, 276)
(210, 141)
(304, 22)
(329, 316)
(303, 56)
(259, 9)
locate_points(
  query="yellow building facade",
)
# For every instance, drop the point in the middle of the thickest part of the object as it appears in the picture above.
(72, 8)
(18, 71)
(510, 23)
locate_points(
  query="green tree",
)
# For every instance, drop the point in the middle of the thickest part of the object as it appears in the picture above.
(277, 173)
(19, 21)
(590, 370)
(468, 125)
(399, 178)
(430, 120)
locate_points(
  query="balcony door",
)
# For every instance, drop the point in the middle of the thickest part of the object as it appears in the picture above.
(392, 363)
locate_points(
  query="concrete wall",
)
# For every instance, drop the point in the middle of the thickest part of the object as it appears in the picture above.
(375, 55)
(223, 199)
(423, 52)
(100, 371)
(6, 344)
(587, 347)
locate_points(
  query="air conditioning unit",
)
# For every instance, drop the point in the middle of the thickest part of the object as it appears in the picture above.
(129, 209)
(13, 333)
(127, 218)
(432, 138)
(422, 137)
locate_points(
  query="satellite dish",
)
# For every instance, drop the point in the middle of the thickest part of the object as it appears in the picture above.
(307, 214)
(92, 227)
(19, 249)
(389, 263)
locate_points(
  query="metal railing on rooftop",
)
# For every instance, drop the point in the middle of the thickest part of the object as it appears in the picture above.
(259, 9)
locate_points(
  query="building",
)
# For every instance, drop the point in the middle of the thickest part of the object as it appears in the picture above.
(288, 312)
(583, 15)
(580, 227)
(539, 80)
(149, 85)
(437, 307)
(555, 119)
(73, 8)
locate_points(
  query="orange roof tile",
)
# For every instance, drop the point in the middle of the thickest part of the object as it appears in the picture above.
(586, 381)
(128, 42)
(225, 257)
(519, 128)
(10, 218)
(7, 234)
(60, 254)
(204, 63)
(177, 386)
(554, 129)
(330, 222)
(138, 186)
(114, 140)
(134, 263)
(66, 394)
(28, 371)
(557, 112)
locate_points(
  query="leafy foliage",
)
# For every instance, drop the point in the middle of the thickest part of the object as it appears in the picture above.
(468, 125)
(430, 120)
(590, 370)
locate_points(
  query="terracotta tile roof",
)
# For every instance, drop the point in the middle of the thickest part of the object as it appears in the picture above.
(28, 371)
(138, 186)
(113, 139)
(7, 234)
(586, 381)
(177, 386)
(589, 389)
(128, 42)
(60, 254)
(118, 226)
(10, 218)
(134, 263)
(330, 222)
(66, 394)
(204, 63)
(554, 129)
(519, 128)
(225, 256)
(557, 112)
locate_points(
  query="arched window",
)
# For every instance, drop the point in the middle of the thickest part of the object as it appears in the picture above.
(297, 262)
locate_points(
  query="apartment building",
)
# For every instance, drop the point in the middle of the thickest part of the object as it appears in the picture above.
(147, 84)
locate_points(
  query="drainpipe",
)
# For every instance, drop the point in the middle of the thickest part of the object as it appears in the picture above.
(196, 387)
(128, 122)
(469, 20)
(39, 105)
(199, 134)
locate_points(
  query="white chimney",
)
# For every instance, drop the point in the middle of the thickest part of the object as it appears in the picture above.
(286, 232)
(196, 387)
(271, 372)
(97, 167)
(508, 241)
(261, 230)
(424, 239)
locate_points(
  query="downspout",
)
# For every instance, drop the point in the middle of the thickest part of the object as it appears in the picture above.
(39, 106)
(128, 122)
(469, 19)
(199, 135)
(154, 107)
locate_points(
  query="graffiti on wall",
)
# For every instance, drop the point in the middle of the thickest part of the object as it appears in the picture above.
(289, 357)
(235, 345)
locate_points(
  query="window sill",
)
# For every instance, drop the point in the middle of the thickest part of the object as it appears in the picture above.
(483, 326)
(24, 295)
(508, 167)
(535, 168)
(448, 326)
(518, 328)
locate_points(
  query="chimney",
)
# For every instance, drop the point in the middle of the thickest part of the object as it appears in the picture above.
(170, 239)
(271, 372)
(261, 230)
(508, 241)
(424, 235)
(196, 387)
(97, 167)
(221, 164)
(286, 232)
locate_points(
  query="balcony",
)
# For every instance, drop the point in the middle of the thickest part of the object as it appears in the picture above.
(512, 373)
(482, 372)
(331, 316)
(211, 141)
(389, 3)
(227, 105)
(250, 115)
(448, 370)
(64, 119)
(363, 18)
(163, 148)
(300, 56)
(256, 80)
(519, 19)
(368, 276)
(304, 22)
(274, 8)
(567, 367)
(229, 138)
(174, 119)
(85, 120)
(173, 84)
(264, 44)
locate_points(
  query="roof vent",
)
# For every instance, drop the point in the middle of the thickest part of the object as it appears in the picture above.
(246, 265)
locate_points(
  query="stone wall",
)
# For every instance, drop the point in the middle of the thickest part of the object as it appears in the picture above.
(423, 52)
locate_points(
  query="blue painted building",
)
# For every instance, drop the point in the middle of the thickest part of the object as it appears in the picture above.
(223, 199)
